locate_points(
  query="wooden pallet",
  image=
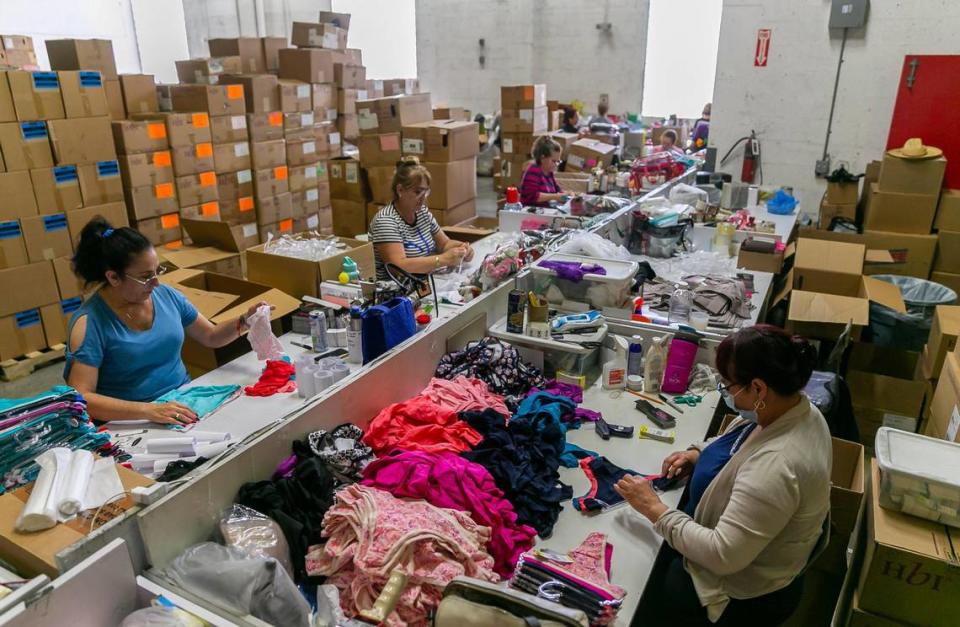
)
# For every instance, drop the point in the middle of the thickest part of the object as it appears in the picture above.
(17, 368)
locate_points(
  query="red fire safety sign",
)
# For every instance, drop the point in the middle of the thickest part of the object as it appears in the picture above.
(763, 48)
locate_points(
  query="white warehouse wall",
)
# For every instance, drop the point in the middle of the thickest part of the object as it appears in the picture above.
(532, 41)
(386, 32)
(788, 101)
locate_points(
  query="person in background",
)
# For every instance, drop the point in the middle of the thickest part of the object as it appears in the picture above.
(601, 117)
(570, 122)
(125, 340)
(538, 185)
(406, 234)
(759, 493)
(668, 142)
(701, 129)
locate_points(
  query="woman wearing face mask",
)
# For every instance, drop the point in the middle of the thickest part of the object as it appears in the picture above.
(125, 340)
(759, 492)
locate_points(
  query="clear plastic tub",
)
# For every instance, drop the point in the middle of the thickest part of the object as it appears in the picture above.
(597, 290)
(919, 475)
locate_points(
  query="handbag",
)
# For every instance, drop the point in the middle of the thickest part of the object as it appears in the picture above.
(385, 325)
(469, 602)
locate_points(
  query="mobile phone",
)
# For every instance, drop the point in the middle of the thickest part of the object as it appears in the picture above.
(657, 416)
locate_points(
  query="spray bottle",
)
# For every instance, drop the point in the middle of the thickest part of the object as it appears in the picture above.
(615, 370)
(354, 338)
(654, 365)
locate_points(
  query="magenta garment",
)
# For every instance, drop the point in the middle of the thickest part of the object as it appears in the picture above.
(572, 270)
(462, 394)
(559, 388)
(450, 481)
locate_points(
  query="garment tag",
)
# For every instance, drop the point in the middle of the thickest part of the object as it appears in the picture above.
(553, 556)
(954, 425)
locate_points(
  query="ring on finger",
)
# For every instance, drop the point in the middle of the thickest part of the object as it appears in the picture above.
(177, 416)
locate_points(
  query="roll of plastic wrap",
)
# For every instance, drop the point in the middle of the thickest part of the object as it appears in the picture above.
(212, 449)
(70, 500)
(143, 462)
(40, 510)
(340, 371)
(182, 445)
(205, 437)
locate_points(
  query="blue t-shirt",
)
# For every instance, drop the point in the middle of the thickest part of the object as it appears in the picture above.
(135, 365)
(712, 459)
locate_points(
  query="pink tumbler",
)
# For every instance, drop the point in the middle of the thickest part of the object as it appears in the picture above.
(683, 352)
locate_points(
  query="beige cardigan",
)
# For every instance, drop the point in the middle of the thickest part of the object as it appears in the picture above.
(761, 516)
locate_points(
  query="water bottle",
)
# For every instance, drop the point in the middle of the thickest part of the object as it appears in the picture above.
(681, 302)
(513, 200)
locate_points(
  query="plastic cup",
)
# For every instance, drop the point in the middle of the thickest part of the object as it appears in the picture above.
(699, 320)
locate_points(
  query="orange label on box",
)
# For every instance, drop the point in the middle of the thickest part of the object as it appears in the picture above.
(209, 209)
(163, 190)
(201, 120)
(528, 92)
(390, 142)
(234, 92)
(245, 203)
(275, 119)
(280, 173)
(174, 245)
(156, 130)
(161, 159)
(204, 150)
(170, 221)
(208, 179)
(286, 225)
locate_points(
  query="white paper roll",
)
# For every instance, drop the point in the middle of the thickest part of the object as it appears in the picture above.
(40, 510)
(205, 437)
(182, 445)
(70, 500)
(143, 462)
(212, 449)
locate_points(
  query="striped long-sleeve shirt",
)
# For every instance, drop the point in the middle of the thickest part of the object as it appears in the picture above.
(535, 181)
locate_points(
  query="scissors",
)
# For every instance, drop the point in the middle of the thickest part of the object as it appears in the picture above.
(688, 399)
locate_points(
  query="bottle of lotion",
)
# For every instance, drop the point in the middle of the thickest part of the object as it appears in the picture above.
(654, 365)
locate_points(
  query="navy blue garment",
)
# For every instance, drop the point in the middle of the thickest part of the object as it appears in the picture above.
(572, 454)
(712, 460)
(603, 475)
(386, 325)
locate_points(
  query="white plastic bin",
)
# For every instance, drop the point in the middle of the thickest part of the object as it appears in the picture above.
(919, 475)
(597, 290)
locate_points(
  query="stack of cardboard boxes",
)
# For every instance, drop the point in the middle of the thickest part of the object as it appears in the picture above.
(523, 118)
(16, 52)
(147, 168)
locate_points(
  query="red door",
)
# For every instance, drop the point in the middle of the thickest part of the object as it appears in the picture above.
(927, 98)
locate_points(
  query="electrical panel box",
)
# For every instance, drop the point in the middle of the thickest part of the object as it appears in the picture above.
(848, 13)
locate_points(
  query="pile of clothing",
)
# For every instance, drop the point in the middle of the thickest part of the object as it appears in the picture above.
(495, 363)
(724, 299)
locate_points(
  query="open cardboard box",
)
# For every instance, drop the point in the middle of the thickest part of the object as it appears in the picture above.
(944, 419)
(818, 315)
(828, 267)
(884, 390)
(221, 299)
(473, 229)
(302, 277)
(216, 248)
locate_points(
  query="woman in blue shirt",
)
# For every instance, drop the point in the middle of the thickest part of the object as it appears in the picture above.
(125, 341)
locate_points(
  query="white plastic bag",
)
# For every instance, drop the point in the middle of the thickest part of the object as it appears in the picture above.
(592, 245)
(687, 194)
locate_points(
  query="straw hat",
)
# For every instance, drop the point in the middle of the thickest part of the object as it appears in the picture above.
(913, 148)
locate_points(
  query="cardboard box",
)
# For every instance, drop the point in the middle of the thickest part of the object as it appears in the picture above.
(948, 210)
(349, 217)
(7, 111)
(298, 125)
(13, 251)
(375, 89)
(249, 49)
(324, 221)
(326, 96)
(345, 100)
(948, 279)
(820, 315)
(25, 42)
(305, 203)
(828, 267)
(210, 99)
(82, 54)
(847, 485)
(944, 331)
(225, 129)
(56, 319)
(518, 144)
(269, 154)
(133, 136)
(273, 209)
(341, 20)
(114, 94)
(114, 212)
(148, 168)
(760, 262)
(295, 96)
(209, 211)
(27, 287)
(885, 401)
(83, 94)
(912, 254)
(842, 193)
(275, 230)
(273, 181)
(207, 71)
(68, 284)
(944, 418)
(948, 253)
(912, 176)
(380, 179)
(301, 151)
(151, 201)
(239, 211)
(451, 113)
(25, 145)
(379, 150)
(828, 212)
(310, 65)
(260, 90)
(46, 237)
(304, 176)
(455, 215)
(21, 333)
(56, 189)
(161, 230)
(300, 277)
(196, 189)
(36, 95)
(401, 87)
(910, 570)
(17, 199)
(81, 140)
(183, 129)
(385, 115)
(348, 76)
(233, 185)
(373, 209)
(139, 93)
(100, 182)
(346, 180)
(439, 141)
(523, 96)
(231, 157)
(451, 183)
(472, 230)
(564, 139)
(262, 127)
(271, 52)
(587, 154)
(533, 120)
(306, 35)
(192, 159)
(216, 248)
(898, 212)
(348, 126)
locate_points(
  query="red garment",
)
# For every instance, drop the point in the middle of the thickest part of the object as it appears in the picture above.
(419, 425)
(275, 378)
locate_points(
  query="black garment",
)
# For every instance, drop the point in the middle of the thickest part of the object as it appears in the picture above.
(178, 468)
(674, 601)
(603, 476)
(495, 363)
(569, 128)
(524, 464)
(297, 503)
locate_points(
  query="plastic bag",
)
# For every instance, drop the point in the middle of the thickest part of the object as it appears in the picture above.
(160, 617)
(782, 203)
(687, 194)
(255, 534)
(592, 245)
(243, 585)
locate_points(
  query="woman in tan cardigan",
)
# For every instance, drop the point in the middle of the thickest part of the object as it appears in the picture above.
(759, 492)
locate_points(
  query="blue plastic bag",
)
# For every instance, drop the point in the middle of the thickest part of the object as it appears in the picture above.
(386, 325)
(782, 203)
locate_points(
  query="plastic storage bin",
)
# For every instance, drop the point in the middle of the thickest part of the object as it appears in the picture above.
(597, 290)
(919, 476)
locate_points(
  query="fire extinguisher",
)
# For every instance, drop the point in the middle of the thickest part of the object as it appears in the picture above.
(751, 155)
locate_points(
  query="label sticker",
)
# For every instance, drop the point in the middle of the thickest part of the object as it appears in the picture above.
(249, 230)
(306, 119)
(280, 173)
(245, 203)
(390, 142)
(238, 122)
(336, 171)
(352, 173)
(162, 159)
(507, 144)
(244, 176)
(275, 119)
(163, 190)
(286, 225)
(309, 148)
(204, 150)
(208, 179)
(210, 209)
(241, 149)
(312, 194)
(414, 146)
(526, 115)
(331, 115)
(575, 160)
(361, 94)
(156, 130)
(200, 120)
(954, 427)
(313, 221)
(334, 139)
(234, 92)
(367, 120)
(170, 221)
(303, 91)
(330, 41)
(310, 172)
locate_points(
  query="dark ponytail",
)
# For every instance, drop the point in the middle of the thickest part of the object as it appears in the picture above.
(783, 361)
(102, 248)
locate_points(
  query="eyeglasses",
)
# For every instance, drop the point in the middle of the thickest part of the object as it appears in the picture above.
(726, 388)
(153, 277)
(420, 191)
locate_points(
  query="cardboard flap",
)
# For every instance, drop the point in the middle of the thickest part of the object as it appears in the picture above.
(875, 255)
(208, 233)
(283, 304)
(209, 304)
(179, 276)
(816, 307)
(830, 256)
(784, 290)
(883, 293)
(191, 256)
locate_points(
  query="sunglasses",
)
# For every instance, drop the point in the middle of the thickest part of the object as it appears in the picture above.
(153, 277)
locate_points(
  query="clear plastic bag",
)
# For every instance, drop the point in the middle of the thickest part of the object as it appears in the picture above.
(160, 617)
(592, 245)
(255, 534)
(687, 194)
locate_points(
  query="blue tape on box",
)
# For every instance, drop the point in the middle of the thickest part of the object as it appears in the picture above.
(33, 130)
(70, 305)
(9, 230)
(90, 79)
(107, 169)
(45, 81)
(55, 222)
(28, 318)
(64, 174)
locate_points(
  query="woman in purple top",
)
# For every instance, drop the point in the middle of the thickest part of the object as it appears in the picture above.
(538, 186)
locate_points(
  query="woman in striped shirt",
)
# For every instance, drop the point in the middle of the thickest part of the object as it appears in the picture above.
(406, 234)
(538, 186)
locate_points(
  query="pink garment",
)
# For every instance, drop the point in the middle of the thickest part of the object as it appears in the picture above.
(419, 424)
(591, 563)
(371, 534)
(463, 393)
(448, 480)
(264, 343)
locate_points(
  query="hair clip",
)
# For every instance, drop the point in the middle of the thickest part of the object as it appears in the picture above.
(107, 233)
